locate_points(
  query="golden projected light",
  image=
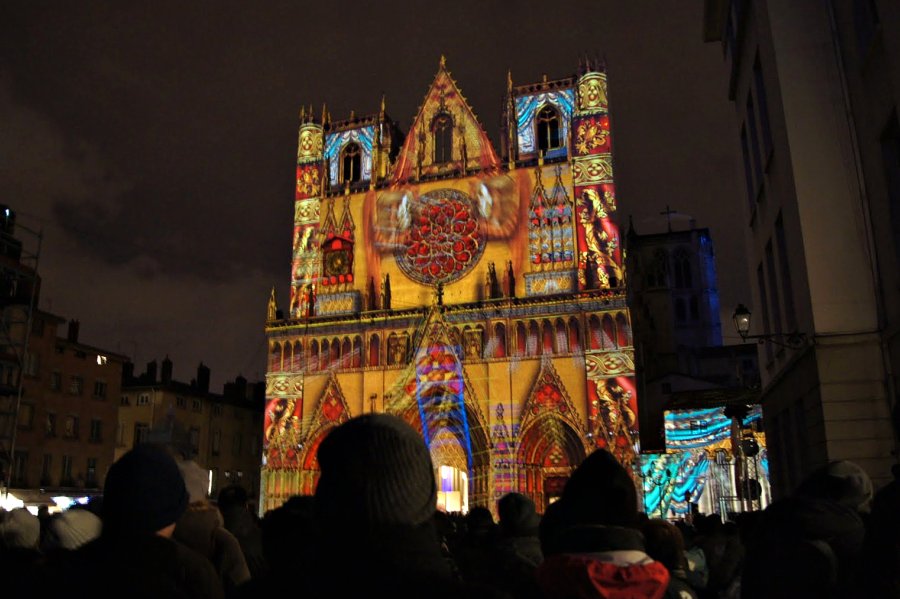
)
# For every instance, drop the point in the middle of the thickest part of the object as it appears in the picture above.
(310, 144)
(592, 92)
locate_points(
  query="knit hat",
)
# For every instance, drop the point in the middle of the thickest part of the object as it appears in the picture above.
(196, 480)
(518, 517)
(841, 481)
(600, 491)
(144, 491)
(376, 471)
(75, 527)
(19, 529)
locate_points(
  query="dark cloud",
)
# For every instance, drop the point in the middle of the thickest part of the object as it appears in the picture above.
(156, 141)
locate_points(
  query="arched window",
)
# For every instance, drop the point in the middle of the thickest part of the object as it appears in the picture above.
(275, 362)
(499, 340)
(547, 338)
(609, 332)
(313, 356)
(442, 135)
(374, 350)
(548, 129)
(520, 339)
(562, 337)
(659, 269)
(574, 336)
(297, 363)
(334, 357)
(357, 352)
(622, 330)
(594, 324)
(682, 261)
(351, 163)
(531, 347)
(346, 353)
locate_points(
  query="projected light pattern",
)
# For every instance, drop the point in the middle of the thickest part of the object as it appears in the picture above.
(695, 429)
(334, 142)
(668, 478)
(439, 395)
(528, 106)
(672, 480)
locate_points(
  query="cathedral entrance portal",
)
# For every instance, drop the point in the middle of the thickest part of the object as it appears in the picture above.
(451, 472)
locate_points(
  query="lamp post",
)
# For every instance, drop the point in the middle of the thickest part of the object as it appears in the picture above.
(742, 319)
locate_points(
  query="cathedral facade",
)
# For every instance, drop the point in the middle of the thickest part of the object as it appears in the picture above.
(478, 295)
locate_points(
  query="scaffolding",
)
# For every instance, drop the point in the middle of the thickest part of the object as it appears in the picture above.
(19, 290)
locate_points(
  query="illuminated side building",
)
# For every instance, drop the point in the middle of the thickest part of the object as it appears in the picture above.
(479, 295)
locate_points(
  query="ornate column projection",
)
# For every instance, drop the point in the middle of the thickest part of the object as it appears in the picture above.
(592, 179)
(306, 261)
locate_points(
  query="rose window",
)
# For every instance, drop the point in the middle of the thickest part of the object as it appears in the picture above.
(444, 237)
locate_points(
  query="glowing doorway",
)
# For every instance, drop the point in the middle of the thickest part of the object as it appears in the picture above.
(451, 472)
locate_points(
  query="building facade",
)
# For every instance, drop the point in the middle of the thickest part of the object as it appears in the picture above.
(57, 406)
(221, 432)
(815, 87)
(693, 449)
(479, 295)
(67, 416)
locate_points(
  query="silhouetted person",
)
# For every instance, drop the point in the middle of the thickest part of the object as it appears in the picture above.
(201, 528)
(810, 545)
(234, 505)
(517, 552)
(135, 555)
(665, 544)
(374, 508)
(591, 546)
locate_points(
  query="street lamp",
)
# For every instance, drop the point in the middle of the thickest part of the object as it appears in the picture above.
(741, 318)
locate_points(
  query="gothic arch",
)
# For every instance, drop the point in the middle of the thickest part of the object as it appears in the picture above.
(331, 411)
(552, 441)
(313, 364)
(275, 358)
(574, 335)
(623, 330)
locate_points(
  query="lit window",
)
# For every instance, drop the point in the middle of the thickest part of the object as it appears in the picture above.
(101, 360)
(351, 159)
(548, 129)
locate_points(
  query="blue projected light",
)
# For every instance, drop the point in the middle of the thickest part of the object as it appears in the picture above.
(671, 481)
(334, 142)
(439, 396)
(526, 108)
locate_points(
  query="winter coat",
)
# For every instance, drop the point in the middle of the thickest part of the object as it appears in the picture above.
(200, 528)
(600, 562)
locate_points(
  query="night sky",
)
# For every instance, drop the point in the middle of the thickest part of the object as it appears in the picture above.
(155, 145)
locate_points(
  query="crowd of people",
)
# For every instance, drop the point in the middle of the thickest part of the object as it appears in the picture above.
(372, 529)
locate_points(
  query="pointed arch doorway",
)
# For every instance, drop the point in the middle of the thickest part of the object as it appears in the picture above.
(451, 469)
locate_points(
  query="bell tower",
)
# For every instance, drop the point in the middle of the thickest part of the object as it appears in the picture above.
(305, 264)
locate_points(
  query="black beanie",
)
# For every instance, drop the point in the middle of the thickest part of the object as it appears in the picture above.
(376, 472)
(600, 491)
(518, 517)
(144, 491)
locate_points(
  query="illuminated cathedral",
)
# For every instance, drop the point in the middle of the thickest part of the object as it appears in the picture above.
(477, 294)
